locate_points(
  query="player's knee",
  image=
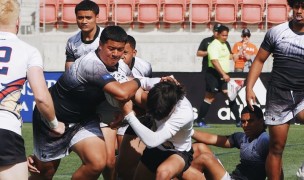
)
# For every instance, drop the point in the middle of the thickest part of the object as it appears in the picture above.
(163, 174)
(111, 161)
(96, 166)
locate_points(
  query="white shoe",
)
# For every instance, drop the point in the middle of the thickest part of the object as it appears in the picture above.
(300, 173)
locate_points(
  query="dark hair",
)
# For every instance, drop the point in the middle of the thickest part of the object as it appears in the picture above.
(222, 28)
(87, 5)
(131, 41)
(256, 110)
(162, 98)
(291, 3)
(114, 33)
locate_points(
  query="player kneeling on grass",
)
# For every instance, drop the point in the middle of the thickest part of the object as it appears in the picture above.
(168, 153)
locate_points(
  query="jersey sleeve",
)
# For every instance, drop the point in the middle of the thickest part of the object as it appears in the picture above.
(213, 52)
(69, 52)
(236, 139)
(268, 42)
(35, 59)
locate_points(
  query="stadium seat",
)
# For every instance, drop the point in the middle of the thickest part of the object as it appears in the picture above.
(225, 11)
(68, 11)
(277, 11)
(48, 11)
(174, 11)
(123, 11)
(252, 11)
(148, 11)
(200, 11)
(104, 6)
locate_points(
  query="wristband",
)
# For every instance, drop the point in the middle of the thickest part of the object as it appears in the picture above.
(53, 124)
(138, 82)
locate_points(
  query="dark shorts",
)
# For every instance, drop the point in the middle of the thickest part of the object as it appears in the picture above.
(214, 81)
(145, 121)
(12, 149)
(153, 157)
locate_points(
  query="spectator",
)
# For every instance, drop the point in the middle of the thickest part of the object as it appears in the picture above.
(253, 144)
(285, 97)
(216, 75)
(243, 52)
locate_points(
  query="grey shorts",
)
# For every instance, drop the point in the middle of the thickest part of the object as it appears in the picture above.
(48, 147)
(282, 105)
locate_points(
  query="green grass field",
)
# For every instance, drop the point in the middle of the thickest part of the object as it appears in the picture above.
(293, 154)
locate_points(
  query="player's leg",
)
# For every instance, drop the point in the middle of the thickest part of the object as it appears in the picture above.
(193, 174)
(15, 171)
(110, 140)
(142, 172)
(170, 168)
(46, 169)
(277, 141)
(90, 146)
(129, 156)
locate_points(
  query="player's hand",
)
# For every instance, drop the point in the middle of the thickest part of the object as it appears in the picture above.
(226, 78)
(250, 98)
(31, 165)
(169, 78)
(59, 130)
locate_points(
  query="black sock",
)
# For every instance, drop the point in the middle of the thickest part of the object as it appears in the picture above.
(203, 111)
(235, 110)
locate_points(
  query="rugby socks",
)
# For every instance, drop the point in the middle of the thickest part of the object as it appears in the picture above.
(203, 111)
(235, 110)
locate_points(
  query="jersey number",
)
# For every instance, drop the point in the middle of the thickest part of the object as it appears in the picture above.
(5, 59)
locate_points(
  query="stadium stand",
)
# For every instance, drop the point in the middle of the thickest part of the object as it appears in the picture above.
(200, 12)
(225, 11)
(174, 12)
(148, 11)
(48, 11)
(191, 14)
(123, 11)
(252, 12)
(104, 6)
(68, 11)
(277, 11)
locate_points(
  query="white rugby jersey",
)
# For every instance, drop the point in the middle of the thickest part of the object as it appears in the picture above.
(141, 68)
(172, 133)
(76, 48)
(16, 57)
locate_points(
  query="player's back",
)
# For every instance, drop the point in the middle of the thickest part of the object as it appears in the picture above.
(16, 57)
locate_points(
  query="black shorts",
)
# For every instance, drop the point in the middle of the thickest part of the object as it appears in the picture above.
(12, 149)
(145, 120)
(214, 81)
(153, 157)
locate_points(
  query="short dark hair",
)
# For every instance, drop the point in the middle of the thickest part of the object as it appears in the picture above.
(162, 98)
(131, 41)
(222, 28)
(87, 5)
(114, 33)
(291, 3)
(256, 110)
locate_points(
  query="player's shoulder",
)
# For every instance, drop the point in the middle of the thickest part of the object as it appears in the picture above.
(75, 38)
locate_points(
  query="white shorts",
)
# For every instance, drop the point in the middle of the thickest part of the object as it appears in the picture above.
(282, 105)
(121, 130)
(48, 148)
